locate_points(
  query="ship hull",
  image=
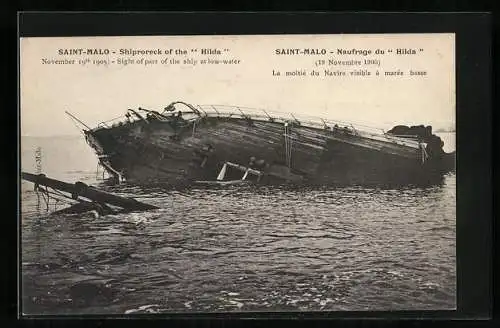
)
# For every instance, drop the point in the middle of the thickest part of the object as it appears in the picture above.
(158, 152)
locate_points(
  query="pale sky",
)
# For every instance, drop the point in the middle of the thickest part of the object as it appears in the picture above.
(99, 93)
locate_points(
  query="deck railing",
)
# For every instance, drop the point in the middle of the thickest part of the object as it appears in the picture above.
(304, 120)
(274, 116)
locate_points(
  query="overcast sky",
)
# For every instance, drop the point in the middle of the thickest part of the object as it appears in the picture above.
(99, 93)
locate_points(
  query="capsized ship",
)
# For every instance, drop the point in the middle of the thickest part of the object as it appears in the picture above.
(187, 143)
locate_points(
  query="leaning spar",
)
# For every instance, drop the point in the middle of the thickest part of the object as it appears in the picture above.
(80, 189)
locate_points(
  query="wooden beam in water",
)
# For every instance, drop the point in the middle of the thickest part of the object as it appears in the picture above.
(81, 189)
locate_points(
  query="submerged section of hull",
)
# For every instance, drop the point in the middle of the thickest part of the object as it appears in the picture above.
(174, 153)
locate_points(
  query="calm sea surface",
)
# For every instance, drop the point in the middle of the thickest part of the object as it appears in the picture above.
(238, 248)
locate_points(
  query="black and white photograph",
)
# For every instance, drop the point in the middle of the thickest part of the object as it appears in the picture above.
(237, 173)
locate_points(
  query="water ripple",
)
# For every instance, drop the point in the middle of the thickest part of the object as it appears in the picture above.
(243, 248)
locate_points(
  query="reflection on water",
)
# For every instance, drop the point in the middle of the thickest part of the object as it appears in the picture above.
(241, 248)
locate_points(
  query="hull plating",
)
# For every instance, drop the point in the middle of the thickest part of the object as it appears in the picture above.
(166, 152)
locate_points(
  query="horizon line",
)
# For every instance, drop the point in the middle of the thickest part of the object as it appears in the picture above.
(50, 135)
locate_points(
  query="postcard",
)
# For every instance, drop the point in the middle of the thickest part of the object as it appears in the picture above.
(238, 173)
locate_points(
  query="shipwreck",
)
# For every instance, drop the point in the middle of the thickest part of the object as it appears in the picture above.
(187, 143)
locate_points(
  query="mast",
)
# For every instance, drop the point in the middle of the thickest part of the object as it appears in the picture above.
(77, 120)
(81, 189)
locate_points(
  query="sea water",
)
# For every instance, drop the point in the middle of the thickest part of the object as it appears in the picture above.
(235, 248)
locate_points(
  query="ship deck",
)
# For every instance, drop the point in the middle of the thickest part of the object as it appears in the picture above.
(192, 113)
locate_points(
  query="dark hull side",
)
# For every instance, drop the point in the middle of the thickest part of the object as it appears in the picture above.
(161, 152)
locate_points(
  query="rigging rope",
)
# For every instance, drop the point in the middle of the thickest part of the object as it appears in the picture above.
(56, 195)
(425, 156)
